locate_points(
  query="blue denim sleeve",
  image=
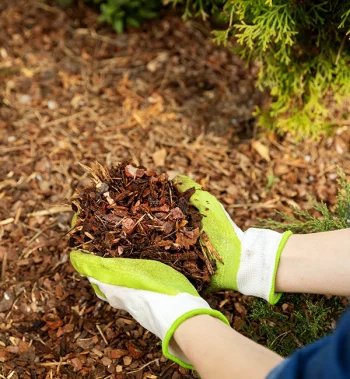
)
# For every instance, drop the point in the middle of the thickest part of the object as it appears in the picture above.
(327, 358)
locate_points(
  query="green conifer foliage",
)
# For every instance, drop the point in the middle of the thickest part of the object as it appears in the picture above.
(303, 47)
(302, 221)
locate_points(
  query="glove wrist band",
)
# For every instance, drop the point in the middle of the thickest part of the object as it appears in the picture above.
(260, 254)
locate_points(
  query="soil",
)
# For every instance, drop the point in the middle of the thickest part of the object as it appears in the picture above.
(163, 96)
(131, 212)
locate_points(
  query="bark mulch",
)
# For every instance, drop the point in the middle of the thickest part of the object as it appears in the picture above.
(131, 212)
(164, 97)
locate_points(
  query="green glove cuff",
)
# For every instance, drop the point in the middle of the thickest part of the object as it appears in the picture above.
(178, 322)
(275, 297)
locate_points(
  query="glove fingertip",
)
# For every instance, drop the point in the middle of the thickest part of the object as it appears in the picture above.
(77, 260)
(183, 183)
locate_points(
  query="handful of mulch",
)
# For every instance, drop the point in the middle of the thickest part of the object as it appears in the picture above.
(131, 212)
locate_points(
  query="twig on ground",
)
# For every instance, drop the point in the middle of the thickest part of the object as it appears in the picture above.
(50, 211)
(4, 266)
(142, 367)
(7, 221)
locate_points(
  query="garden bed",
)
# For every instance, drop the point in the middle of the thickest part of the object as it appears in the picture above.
(166, 98)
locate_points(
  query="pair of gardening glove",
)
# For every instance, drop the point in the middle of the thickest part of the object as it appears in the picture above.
(160, 298)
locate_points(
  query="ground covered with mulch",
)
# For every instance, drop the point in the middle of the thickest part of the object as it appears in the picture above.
(164, 97)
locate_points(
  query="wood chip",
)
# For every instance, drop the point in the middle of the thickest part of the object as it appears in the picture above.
(127, 360)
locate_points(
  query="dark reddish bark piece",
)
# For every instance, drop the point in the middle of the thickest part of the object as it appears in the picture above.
(133, 350)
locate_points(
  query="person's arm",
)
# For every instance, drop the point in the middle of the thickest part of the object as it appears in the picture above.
(316, 263)
(265, 263)
(217, 351)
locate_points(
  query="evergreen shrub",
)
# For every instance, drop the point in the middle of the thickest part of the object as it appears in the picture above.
(302, 221)
(303, 50)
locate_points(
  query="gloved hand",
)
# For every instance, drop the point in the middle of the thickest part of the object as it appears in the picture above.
(250, 258)
(157, 296)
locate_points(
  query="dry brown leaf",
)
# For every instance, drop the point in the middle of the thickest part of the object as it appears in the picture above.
(159, 157)
(262, 150)
(340, 145)
(76, 363)
(281, 169)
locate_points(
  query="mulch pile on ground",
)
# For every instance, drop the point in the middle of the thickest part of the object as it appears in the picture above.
(165, 95)
(131, 212)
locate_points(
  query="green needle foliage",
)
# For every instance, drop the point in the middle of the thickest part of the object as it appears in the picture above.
(303, 50)
(302, 221)
(312, 317)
